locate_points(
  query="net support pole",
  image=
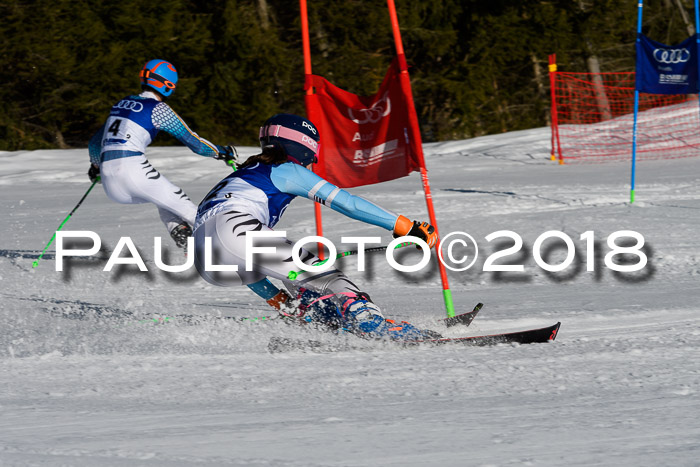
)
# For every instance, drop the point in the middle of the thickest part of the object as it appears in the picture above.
(309, 107)
(553, 106)
(640, 6)
(413, 119)
(556, 145)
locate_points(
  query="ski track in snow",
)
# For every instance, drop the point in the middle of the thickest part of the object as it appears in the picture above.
(88, 379)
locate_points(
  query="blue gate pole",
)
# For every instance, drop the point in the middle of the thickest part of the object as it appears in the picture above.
(697, 49)
(640, 6)
(634, 143)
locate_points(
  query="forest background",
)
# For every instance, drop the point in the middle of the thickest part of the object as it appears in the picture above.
(477, 67)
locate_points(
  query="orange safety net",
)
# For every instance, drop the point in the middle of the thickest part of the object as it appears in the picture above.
(593, 116)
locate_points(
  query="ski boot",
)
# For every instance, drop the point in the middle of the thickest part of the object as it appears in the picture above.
(311, 307)
(180, 234)
(364, 318)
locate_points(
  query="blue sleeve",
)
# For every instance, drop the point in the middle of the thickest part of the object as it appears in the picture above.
(164, 118)
(95, 146)
(296, 180)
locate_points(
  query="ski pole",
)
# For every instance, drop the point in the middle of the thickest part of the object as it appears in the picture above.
(294, 274)
(36, 261)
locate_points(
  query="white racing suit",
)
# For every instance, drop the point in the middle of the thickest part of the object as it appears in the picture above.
(127, 176)
(253, 199)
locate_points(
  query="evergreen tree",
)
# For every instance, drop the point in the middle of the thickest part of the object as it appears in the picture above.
(476, 67)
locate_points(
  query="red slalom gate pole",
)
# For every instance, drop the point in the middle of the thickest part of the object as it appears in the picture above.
(413, 119)
(309, 106)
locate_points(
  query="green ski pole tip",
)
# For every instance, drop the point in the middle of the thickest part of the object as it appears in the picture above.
(35, 264)
(292, 275)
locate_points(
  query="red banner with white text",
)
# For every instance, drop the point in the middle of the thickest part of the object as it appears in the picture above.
(364, 140)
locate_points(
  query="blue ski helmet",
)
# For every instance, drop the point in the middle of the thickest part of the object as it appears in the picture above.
(159, 75)
(295, 135)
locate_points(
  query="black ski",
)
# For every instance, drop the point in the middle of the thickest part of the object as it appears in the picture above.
(530, 336)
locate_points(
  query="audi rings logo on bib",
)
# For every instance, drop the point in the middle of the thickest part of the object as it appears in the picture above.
(125, 104)
(379, 110)
(671, 55)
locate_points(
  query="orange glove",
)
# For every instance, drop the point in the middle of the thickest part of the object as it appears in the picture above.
(405, 227)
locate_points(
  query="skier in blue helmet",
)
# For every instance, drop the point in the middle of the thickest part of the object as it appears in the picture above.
(117, 150)
(254, 197)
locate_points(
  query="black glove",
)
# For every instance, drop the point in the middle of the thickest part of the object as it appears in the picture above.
(94, 173)
(229, 155)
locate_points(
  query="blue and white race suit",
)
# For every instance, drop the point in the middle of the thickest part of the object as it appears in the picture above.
(119, 147)
(253, 199)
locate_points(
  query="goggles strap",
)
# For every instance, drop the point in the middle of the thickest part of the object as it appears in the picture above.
(287, 133)
(149, 75)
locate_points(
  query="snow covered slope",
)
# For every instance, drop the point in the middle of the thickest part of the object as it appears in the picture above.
(87, 380)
